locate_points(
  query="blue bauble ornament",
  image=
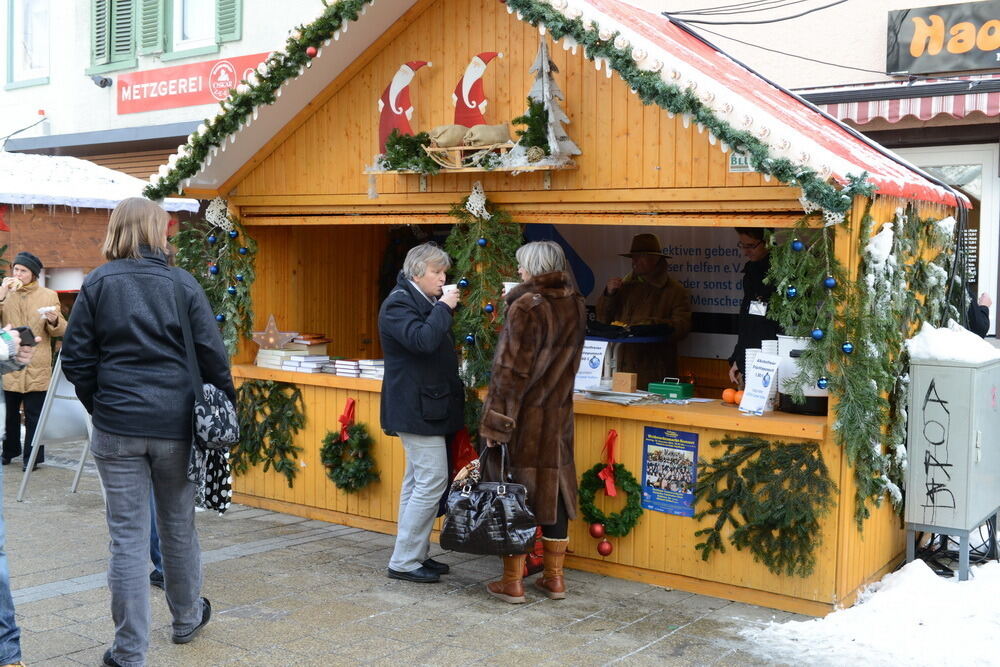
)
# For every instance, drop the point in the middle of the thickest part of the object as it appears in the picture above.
(488, 308)
(817, 334)
(482, 242)
(798, 246)
(847, 347)
(822, 383)
(829, 282)
(214, 269)
(233, 233)
(470, 339)
(239, 277)
(791, 292)
(243, 251)
(220, 318)
(211, 239)
(231, 290)
(463, 283)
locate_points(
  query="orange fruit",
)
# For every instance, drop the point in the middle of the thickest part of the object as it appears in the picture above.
(738, 398)
(728, 395)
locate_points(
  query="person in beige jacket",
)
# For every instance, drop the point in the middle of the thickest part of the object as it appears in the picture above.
(24, 302)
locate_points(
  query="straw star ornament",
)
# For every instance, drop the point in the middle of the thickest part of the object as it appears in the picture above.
(272, 339)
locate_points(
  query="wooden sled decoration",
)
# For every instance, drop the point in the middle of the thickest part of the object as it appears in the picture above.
(458, 157)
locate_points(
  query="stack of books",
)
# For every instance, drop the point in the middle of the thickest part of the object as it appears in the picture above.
(313, 344)
(306, 363)
(347, 367)
(373, 369)
(275, 358)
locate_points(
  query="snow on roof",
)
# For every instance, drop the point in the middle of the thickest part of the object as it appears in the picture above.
(787, 126)
(29, 179)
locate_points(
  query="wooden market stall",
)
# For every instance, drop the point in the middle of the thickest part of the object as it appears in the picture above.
(301, 175)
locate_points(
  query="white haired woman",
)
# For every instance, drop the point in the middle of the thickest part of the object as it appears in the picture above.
(529, 405)
(423, 401)
(124, 353)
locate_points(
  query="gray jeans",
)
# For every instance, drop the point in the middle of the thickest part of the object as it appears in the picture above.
(424, 482)
(129, 466)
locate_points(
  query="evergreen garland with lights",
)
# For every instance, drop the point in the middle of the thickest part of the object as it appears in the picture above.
(220, 255)
(772, 495)
(270, 414)
(483, 254)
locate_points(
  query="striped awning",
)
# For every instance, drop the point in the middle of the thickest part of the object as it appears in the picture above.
(922, 107)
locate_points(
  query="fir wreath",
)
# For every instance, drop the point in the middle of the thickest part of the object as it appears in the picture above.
(349, 463)
(616, 524)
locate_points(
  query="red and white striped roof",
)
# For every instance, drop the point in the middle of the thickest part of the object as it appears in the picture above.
(917, 106)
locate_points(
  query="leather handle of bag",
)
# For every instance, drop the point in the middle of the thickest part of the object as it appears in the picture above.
(502, 446)
(182, 314)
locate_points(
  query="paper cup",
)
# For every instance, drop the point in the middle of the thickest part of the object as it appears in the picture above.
(509, 286)
(449, 288)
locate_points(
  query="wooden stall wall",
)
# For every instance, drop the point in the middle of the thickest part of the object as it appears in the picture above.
(320, 279)
(625, 145)
(60, 236)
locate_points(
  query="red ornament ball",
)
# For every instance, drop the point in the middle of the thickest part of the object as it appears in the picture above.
(597, 530)
(311, 51)
(605, 548)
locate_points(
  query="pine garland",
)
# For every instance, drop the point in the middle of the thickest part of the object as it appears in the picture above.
(616, 524)
(485, 267)
(772, 495)
(270, 414)
(349, 464)
(228, 290)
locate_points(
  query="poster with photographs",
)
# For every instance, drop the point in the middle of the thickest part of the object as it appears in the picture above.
(669, 470)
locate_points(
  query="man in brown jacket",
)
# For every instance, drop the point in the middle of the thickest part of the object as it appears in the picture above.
(24, 302)
(647, 295)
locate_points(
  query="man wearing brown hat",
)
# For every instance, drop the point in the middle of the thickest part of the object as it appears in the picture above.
(646, 296)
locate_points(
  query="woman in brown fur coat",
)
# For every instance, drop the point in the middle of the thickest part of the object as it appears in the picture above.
(530, 405)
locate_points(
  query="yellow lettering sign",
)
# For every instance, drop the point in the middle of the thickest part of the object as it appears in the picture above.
(927, 36)
(963, 37)
(988, 38)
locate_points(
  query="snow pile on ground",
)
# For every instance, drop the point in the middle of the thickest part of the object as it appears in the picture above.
(28, 180)
(951, 343)
(912, 617)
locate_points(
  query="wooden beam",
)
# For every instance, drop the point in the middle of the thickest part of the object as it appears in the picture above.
(349, 72)
(198, 193)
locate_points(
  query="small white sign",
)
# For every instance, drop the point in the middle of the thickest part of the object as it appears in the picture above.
(739, 164)
(761, 385)
(591, 364)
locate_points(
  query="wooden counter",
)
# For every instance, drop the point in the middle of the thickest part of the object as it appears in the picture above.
(661, 548)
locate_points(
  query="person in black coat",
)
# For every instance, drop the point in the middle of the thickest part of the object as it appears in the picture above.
(423, 401)
(753, 325)
(979, 315)
(125, 355)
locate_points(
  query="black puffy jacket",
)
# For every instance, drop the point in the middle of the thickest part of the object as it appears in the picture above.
(421, 391)
(124, 350)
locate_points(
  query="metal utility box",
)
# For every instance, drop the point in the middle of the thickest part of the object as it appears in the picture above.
(953, 476)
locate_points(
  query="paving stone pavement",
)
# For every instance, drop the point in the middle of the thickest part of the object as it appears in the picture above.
(290, 591)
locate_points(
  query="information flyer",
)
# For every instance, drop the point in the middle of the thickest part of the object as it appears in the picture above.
(669, 470)
(588, 375)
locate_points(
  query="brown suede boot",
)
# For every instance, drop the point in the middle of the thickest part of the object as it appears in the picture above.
(551, 582)
(510, 587)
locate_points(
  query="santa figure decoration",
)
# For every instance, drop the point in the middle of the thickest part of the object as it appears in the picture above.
(394, 106)
(469, 97)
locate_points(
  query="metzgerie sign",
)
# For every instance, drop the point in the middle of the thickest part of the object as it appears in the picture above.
(184, 85)
(952, 38)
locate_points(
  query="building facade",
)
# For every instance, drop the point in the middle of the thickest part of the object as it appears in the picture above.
(123, 82)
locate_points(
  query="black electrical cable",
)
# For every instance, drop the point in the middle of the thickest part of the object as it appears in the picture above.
(746, 8)
(763, 21)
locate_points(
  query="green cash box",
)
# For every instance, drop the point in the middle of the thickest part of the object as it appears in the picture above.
(672, 388)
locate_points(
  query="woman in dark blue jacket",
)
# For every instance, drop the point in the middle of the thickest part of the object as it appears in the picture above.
(124, 353)
(422, 401)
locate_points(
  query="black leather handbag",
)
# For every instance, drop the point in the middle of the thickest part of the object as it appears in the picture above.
(489, 518)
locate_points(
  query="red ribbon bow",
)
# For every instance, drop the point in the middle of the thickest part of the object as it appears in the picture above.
(608, 472)
(346, 419)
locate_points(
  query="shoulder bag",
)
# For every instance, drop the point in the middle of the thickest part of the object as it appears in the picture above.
(214, 421)
(489, 518)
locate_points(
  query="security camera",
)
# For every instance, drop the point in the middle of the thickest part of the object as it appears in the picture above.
(101, 81)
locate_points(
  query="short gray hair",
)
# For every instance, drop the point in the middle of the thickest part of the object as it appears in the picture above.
(542, 257)
(422, 256)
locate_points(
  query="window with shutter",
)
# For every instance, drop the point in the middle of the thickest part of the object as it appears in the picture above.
(229, 20)
(112, 35)
(122, 30)
(100, 14)
(151, 29)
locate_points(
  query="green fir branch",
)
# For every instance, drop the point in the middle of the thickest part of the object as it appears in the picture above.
(536, 122)
(405, 152)
(270, 414)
